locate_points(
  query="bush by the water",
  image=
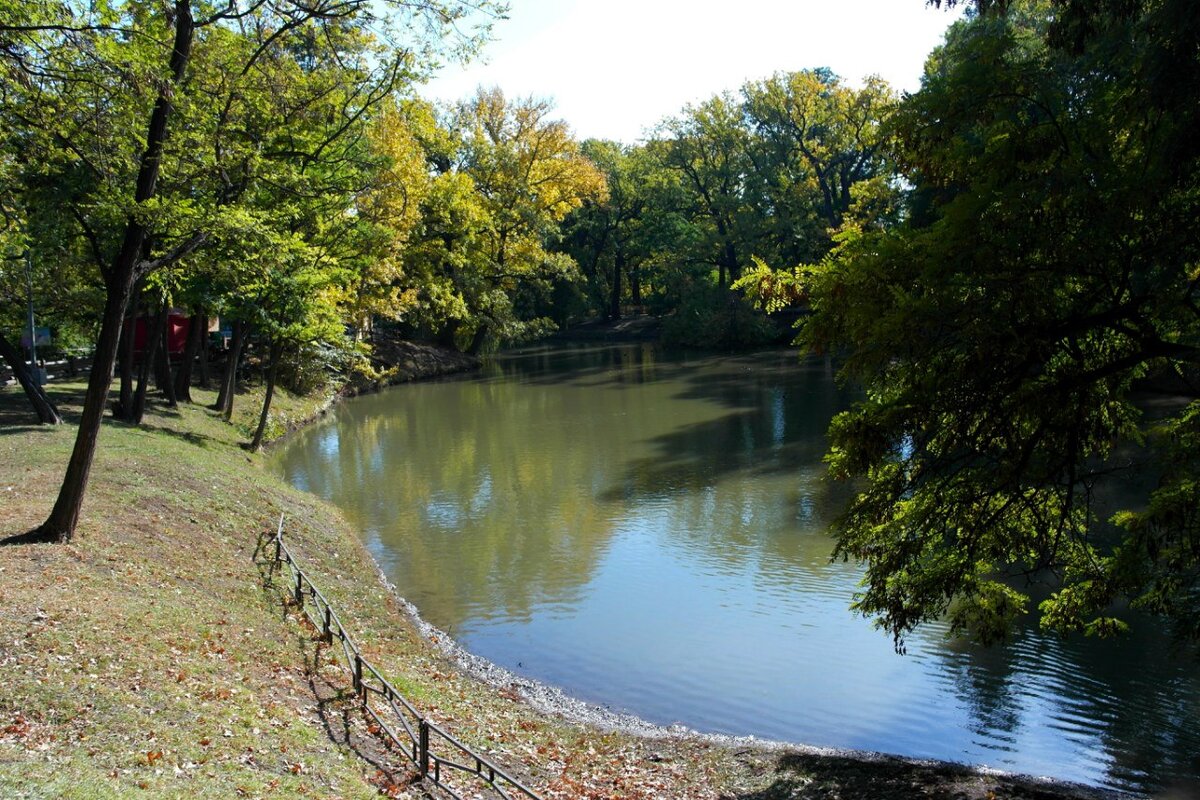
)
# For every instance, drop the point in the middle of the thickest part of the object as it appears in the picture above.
(711, 317)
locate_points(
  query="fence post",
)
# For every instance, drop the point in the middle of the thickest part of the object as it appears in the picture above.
(300, 589)
(358, 682)
(327, 630)
(423, 744)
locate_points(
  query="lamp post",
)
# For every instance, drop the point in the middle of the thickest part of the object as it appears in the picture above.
(38, 375)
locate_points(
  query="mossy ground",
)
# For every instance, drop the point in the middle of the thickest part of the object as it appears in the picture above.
(152, 657)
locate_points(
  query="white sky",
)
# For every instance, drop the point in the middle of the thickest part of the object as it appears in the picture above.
(615, 68)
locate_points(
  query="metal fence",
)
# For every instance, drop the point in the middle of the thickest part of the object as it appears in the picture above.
(67, 367)
(442, 760)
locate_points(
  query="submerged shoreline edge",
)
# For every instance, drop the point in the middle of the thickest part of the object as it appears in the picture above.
(552, 700)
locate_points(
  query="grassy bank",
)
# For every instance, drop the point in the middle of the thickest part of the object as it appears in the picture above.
(148, 658)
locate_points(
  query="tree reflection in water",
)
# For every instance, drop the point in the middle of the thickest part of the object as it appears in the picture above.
(647, 531)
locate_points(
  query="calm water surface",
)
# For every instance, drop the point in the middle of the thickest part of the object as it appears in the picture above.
(647, 532)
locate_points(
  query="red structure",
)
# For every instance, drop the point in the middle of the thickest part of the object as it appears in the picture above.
(178, 326)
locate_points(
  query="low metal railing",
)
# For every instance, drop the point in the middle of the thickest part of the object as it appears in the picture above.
(68, 367)
(441, 759)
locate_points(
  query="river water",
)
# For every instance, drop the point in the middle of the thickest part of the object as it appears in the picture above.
(647, 532)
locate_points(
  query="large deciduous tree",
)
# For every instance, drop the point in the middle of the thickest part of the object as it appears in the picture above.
(78, 73)
(708, 146)
(508, 175)
(610, 236)
(815, 141)
(1010, 334)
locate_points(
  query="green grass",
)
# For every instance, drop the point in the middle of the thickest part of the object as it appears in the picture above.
(146, 655)
(149, 658)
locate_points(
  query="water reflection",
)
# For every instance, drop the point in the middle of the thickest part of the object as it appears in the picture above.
(647, 531)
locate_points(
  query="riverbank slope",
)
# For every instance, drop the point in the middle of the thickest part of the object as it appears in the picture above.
(148, 658)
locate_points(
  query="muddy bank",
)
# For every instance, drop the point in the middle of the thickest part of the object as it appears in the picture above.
(400, 361)
(636, 328)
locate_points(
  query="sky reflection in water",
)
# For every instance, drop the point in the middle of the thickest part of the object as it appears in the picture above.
(647, 532)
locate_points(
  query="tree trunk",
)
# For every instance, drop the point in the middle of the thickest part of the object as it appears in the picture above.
(272, 372)
(205, 379)
(118, 284)
(729, 264)
(222, 390)
(42, 405)
(154, 338)
(164, 380)
(635, 288)
(124, 407)
(447, 336)
(229, 384)
(614, 303)
(478, 339)
(60, 525)
(183, 377)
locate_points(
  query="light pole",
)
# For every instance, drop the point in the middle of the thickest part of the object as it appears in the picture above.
(38, 375)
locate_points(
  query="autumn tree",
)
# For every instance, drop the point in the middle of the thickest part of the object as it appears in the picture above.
(510, 176)
(389, 213)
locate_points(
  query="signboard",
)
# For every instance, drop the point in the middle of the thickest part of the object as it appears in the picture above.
(43, 337)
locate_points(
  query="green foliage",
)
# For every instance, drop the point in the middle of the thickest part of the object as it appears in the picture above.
(816, 143)
(769, 176)
(1042, 276)
(266, 151)
(480, 264)
(773, 290)
(316, 366)
(711, 317)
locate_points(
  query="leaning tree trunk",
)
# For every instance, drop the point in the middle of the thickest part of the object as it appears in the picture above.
(42, 405)
(118, 283)
(183, 378)
(154, 339)
(478, 340)
(272, 373)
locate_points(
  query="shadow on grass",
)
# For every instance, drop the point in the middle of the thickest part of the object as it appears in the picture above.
(18, 416)
(338, 707)
(25, 423)
(191, 437)
(346, 725)
(35, 536)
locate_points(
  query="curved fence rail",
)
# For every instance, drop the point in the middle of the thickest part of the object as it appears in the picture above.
(442, 760)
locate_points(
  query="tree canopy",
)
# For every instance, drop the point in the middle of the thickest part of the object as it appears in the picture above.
(1005, 261)
(1028, 335)
(150, 131)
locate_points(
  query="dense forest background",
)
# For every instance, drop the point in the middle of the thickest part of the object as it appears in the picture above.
(1005, 260)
